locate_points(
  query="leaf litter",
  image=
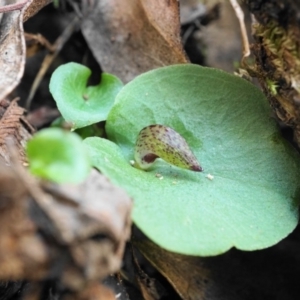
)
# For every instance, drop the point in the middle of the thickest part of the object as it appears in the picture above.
(52, 232)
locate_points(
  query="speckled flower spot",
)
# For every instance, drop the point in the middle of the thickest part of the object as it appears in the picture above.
(164, 142)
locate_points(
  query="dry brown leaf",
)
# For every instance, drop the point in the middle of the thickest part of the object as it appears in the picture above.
(93, 219)
(13, 126)
(12, 51)
(12, 44)
(265, 274)
(73, 233)
(21, 249)
(34, 7)
(107, 207)
(150, 288)
(131, 37)
(187, 274)
(42, 116)
(12, 59)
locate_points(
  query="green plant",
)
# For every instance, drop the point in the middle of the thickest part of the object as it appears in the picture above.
(79, 104)
(246, 197)
(58, 155)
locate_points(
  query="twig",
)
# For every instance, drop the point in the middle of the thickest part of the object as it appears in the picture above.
(59, 43)
(12, 7)
(240, 15)
(76, 8)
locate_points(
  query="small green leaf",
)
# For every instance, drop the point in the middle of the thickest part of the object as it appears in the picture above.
(81, 105)
(58, 155)
(247, 196)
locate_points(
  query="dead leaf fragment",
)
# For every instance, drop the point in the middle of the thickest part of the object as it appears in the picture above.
(13, 126)
(12, 52)
(131, 37)
(12, 44)
(187, 274)
(233, 275)
(42, 116)
(34, 7)
(21, 249)
(150, 288)
(75, 234)
(93, 219)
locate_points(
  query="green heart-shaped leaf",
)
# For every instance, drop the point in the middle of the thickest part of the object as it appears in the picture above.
(58, 155)
(81, 105)
(248, 194)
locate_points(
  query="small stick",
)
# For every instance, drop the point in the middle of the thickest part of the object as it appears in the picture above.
(240, 15)
(12, 7)
(58, 45)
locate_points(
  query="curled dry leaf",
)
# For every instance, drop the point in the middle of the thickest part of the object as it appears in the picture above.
(12, 51)
(13, 126)
(12, 60)
(33, 7)
(75, 233)
(132, 37)
(12, 44)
